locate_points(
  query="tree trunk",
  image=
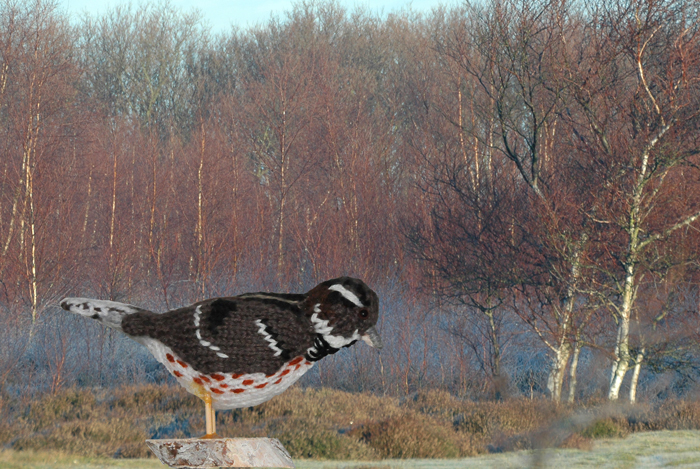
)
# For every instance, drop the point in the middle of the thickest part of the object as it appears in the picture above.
(555, 380)
(88, 200)
(622, 350)
(635, 375)
(280, 238)
(572, 372)
(14, 213)
(113, 208)
(622, 356)
(154, 195)
(499, 381)
(200, 274)
(30, 151)
(563, 352)
(32, 267)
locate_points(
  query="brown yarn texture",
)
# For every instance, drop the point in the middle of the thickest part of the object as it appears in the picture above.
(230, 324)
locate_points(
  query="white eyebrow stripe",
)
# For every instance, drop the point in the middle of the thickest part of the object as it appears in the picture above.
(347, 294)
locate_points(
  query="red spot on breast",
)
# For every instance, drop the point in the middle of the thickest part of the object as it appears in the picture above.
(224, 385)
(285, 372)
(247, 382)
(218, 377)
(182, 364)
(217, 391)
(197, 380)
(269, 376)
(205, 378)
(238, 390)
(308, 363)
(278, 381)
(170, 358)
(260, 386)
(236, 376)
(295, 361)
(177, 373)
(298, 366)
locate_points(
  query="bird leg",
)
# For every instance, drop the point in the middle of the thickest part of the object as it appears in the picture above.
(210, 417)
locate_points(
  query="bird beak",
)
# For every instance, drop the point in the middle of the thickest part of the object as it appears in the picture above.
(372, 338)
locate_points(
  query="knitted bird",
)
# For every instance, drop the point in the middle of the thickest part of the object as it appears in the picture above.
(244, 350)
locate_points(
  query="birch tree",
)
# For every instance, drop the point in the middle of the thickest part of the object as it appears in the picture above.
(505, 58)
(35, 79)
(279, 89)
(637, 90)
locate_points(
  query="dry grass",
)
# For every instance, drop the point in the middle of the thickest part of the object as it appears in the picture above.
(326, 424)
(638, 451)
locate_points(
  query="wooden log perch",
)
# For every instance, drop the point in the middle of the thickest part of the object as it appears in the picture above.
(221, 452)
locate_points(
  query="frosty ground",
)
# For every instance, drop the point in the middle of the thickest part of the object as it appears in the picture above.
(639, 450)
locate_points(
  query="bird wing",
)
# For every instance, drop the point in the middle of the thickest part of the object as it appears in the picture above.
(231, 335)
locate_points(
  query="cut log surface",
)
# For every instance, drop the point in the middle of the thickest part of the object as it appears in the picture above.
(221, 452)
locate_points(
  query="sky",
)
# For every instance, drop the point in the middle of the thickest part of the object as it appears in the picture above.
(221, 14)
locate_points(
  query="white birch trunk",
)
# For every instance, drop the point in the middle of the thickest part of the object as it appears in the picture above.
(622, 353)
(34, 294)
(555, 380)
(572, 372)
(88, 199)
(199, 230)
(563, 352)
(635, 375)
(622, 358)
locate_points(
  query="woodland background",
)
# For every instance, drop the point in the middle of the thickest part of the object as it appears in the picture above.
(518, 180)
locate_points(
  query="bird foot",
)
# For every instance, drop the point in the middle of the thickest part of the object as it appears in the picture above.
(209, 436)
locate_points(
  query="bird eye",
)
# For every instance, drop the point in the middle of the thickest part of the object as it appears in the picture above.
(364, 313)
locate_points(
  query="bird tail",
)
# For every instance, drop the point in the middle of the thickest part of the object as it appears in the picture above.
(109, 313)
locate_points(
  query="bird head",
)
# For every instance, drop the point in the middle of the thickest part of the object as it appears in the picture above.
(343, 310)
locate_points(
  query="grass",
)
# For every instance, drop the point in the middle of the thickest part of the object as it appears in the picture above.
(323, 424)
(640, 450)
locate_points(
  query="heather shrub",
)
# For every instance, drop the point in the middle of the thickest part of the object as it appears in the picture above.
(606, 428)
(414, 436)
(96, 423)
(677, 415)
(303, 440)
(325, 423)
(576, 441)
(153, 397)
(436, 403)
(504, 419)
(65, 406)
(99, 437)
(670, 415)
(334, 407)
